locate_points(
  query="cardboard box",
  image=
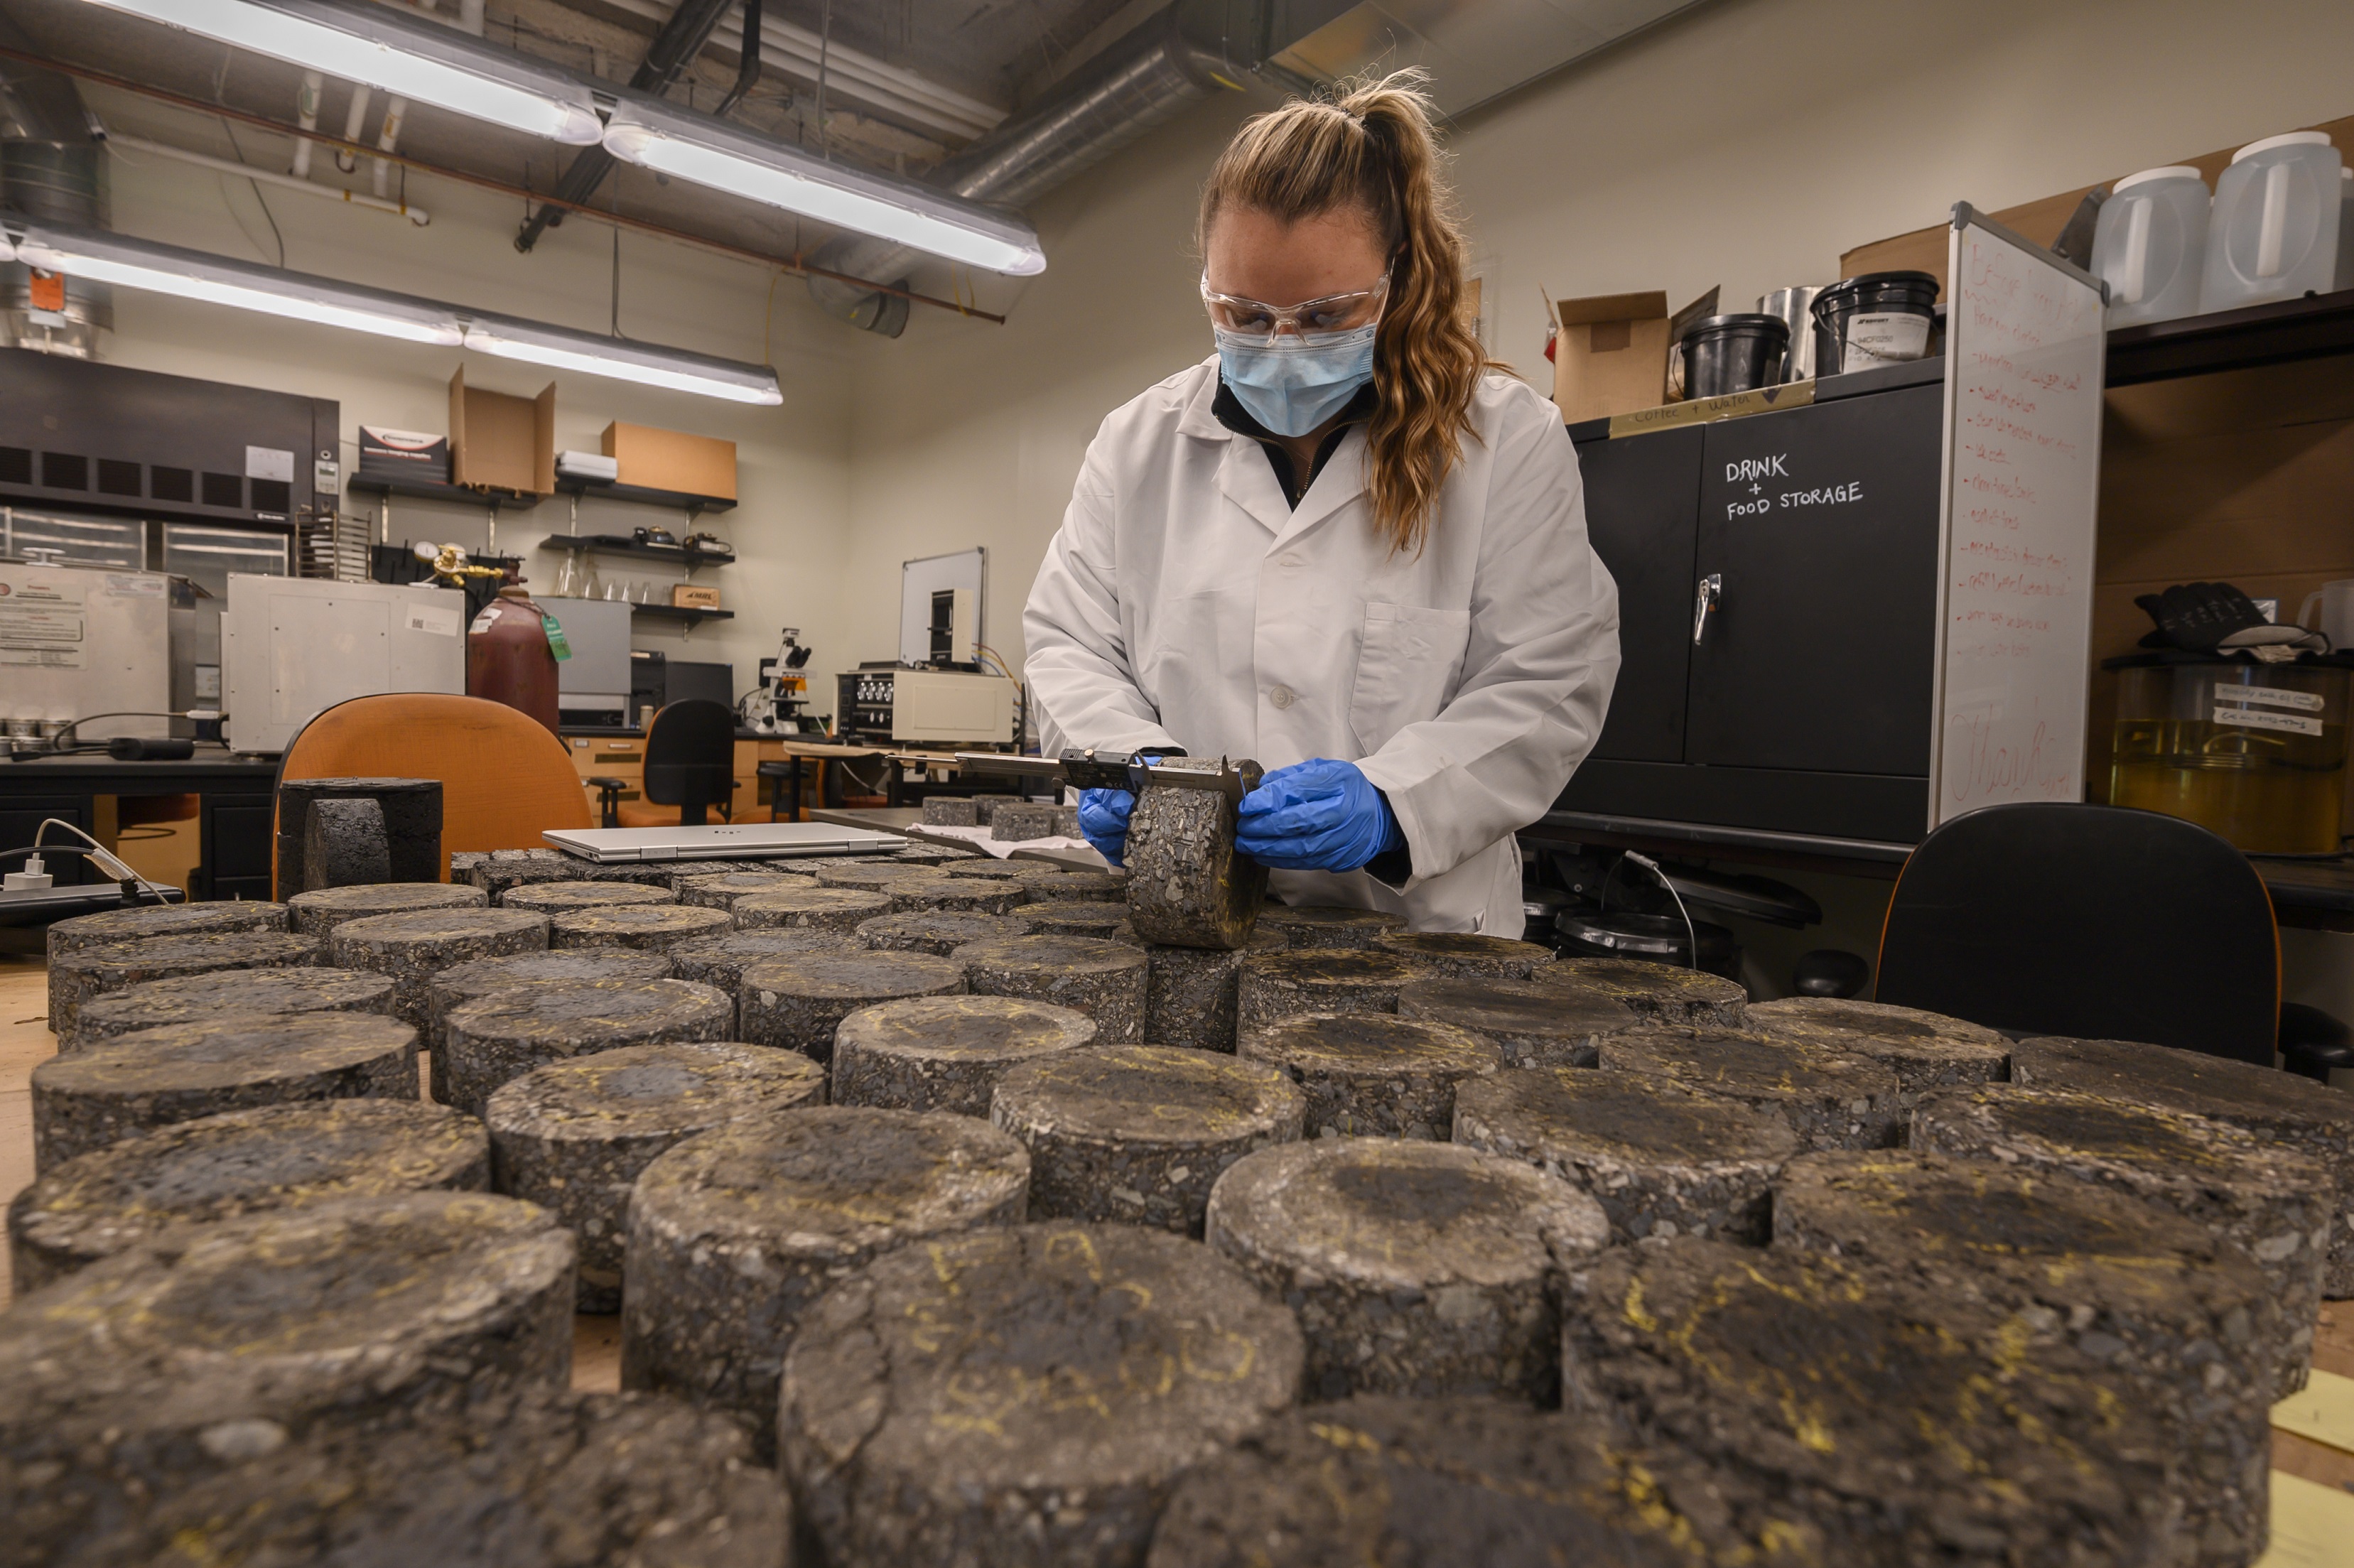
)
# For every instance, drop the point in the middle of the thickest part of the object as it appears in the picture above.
(694, 596)
(498, 441)
(1611, 356)
(672, 459)
(1923, 249)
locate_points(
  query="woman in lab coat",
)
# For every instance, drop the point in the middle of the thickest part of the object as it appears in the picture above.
(1344, 546)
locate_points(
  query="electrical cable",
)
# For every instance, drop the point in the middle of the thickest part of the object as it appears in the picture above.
(257, 196)
(133, 884)
(62, 742)
(1691, 932)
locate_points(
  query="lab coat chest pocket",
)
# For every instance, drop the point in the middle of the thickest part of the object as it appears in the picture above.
(1407, 667)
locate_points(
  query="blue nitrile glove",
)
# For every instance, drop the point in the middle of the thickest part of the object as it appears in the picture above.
(1317, 815)
(1103, 818)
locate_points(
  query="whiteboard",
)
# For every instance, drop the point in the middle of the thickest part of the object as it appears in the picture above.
(2025, 350)
(918, 580)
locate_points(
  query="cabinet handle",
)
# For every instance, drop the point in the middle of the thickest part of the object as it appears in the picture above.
(1712, 589)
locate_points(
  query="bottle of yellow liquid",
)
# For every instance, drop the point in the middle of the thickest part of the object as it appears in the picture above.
(2255, 752)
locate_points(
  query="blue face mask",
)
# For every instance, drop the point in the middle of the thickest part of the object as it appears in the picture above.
(1292, 387)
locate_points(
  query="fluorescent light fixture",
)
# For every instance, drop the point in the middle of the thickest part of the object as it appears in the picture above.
(423, 61)
(128, 263)
(105, 258)
(561, 348)
(670, 141)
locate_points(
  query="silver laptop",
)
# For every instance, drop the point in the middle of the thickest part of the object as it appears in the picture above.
(722, 840)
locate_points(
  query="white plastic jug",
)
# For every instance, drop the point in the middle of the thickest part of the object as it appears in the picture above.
(2336, 602)
(2150, 244)
(2273, 233)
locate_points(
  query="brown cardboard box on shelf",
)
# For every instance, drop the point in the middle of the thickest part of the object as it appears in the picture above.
(500, 441)
(1923, 249)
(672, 459)
(1611, 357)
(694, 596)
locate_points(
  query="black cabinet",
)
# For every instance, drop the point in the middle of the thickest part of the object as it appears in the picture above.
(1645, 529)
(1778, 600)
(236, 847)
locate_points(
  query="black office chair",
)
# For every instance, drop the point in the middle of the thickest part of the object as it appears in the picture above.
(690, 767)
(2094, 921)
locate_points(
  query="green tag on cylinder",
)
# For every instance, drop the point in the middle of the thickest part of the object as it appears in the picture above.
(554, 629)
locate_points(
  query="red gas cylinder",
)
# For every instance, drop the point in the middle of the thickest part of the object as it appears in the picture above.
(508, 659)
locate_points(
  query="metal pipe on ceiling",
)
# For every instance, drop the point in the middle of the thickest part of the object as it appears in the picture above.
(1177, 58)
(416, 214)
(850, 74)
(674, 47)
(307, 115)
(49, 170)
(799, 263)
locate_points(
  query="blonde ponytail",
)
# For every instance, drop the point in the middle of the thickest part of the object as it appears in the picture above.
(1373, 148)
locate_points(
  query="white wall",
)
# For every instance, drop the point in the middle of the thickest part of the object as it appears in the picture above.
(793, 470)
(1746, 145)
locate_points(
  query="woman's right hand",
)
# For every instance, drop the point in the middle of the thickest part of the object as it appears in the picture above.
(1103, 818)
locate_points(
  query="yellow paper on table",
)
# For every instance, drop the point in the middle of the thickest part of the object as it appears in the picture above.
(2322, 1410)
(2313, 1525)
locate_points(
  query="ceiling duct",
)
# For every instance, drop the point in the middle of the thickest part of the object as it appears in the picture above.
(1176, 56)
(51, 170)
(1476, 51)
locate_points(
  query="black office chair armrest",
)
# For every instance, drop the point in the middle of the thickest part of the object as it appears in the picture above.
(608, 792)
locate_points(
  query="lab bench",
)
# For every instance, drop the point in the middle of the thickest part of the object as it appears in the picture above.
(233, 810)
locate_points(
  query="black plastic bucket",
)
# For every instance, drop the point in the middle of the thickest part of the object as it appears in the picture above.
(1724, 355)
(1888, 302)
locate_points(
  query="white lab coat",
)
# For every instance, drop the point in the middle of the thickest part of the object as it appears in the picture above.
(1184, 603)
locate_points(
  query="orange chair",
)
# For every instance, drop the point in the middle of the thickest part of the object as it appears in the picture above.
(504, 778)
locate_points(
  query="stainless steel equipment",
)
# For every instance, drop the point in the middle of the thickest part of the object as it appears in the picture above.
(1796, 307)
(292, 648)
(885, 702)
(593, 685)
(199, 558)
(76, 641)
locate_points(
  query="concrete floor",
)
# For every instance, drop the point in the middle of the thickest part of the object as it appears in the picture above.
(26, 1041)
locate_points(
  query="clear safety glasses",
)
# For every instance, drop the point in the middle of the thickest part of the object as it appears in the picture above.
(1311, 321)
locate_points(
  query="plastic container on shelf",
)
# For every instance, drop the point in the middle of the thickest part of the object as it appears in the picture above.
(1724, 355)
(1796, 307)
(1880, 318)
(2255, 752)
(2150, 244)
(2274, 232)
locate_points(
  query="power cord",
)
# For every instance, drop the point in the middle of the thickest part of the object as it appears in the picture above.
(35, 877)
(64, 740)
(1692, 933)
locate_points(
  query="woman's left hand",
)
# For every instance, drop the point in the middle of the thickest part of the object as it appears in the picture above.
(1317, 815)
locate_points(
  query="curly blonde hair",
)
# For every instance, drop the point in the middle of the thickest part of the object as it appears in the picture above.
(1372, 147)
